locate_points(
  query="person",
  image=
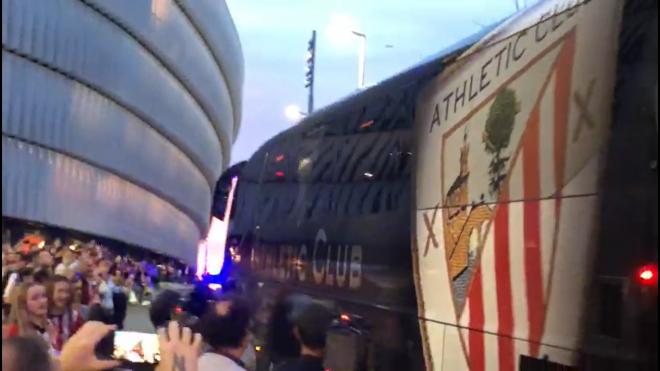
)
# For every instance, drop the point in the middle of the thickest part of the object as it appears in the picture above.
(78, 291)
(225, 329)
(163, 308)
(119, 298)
(129, 284)
(63, 268)
(44, 261)
(29, 313)
(43, 266)
(63, 317)
(310, 328)
(104, 310)
(179, 350)
(84, 268)
(139, 284)
(84, 261)
(11, 274)
(147, 292)
(57, 253)
(198, 299)
(13, 280)
(26, 274)
(42, 276)
(284, 346)
(25, 353)
(12, 263)
(138, 287)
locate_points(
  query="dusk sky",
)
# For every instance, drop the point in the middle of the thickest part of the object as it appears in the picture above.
(274, 36)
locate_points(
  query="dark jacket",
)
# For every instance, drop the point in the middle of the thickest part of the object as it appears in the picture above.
(304, 363)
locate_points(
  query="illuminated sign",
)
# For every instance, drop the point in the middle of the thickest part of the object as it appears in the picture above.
(216, 239)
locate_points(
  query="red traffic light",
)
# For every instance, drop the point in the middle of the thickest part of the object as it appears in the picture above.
(648, 275)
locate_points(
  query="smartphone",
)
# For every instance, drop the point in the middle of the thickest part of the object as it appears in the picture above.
(136, 347)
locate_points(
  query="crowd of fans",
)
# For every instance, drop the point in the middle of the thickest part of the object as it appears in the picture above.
(60, 302)
(52, 290)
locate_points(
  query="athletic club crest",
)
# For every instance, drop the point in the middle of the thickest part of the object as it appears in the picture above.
(465, 229)
(510, 140)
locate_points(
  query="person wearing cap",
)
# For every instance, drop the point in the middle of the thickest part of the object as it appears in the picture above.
(310, 328)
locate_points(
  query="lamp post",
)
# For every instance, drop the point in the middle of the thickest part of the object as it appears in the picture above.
(340, 29)
(362, 54)
(309, 73)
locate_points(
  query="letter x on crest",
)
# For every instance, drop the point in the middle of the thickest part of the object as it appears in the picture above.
(431, 238)
(583, 106)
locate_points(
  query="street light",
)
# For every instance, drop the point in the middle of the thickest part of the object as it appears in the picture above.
(293, 113)
(361, 57)
(309, 71)
(339, 30)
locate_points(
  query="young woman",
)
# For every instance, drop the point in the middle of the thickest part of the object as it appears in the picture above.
(29, 313)
(63, 317)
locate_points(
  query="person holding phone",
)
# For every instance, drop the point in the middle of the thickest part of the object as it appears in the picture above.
(179, 350)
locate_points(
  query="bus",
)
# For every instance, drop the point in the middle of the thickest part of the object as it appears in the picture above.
(492, 208)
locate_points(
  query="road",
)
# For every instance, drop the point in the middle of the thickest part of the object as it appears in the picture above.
(137, 319)
(137, 316)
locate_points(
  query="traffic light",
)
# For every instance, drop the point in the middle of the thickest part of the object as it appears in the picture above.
(311, 54)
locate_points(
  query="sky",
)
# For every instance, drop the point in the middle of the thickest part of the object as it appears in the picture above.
(274, 36)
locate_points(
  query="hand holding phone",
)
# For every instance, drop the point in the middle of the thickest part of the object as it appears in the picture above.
(79, 352)
(179, 347)
(136, 347)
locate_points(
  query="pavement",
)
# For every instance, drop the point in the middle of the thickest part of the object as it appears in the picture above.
(137, 319)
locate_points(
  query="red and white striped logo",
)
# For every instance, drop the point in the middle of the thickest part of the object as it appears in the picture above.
(509, 288)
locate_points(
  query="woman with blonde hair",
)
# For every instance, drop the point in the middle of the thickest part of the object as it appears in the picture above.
(29, 313)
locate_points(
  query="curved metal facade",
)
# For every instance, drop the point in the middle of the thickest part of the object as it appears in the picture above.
(118, 116)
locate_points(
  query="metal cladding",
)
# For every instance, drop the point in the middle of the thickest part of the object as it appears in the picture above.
(118, 116)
